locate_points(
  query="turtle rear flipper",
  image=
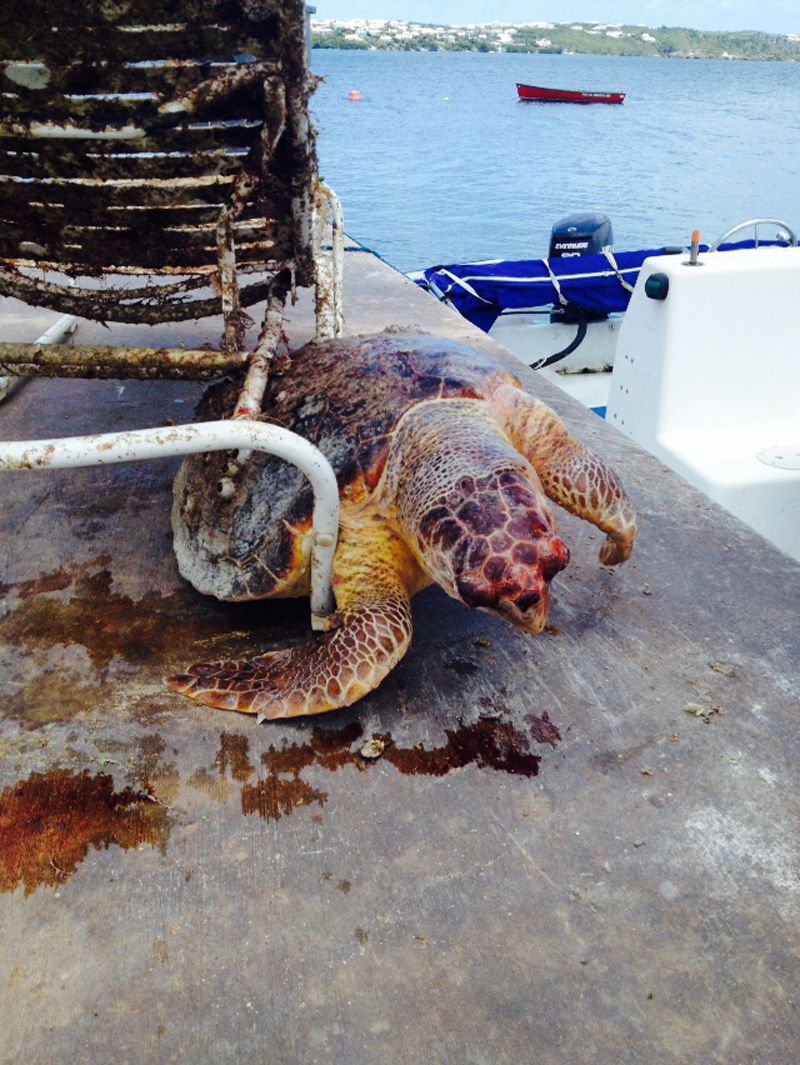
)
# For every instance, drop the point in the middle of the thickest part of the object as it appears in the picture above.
(374, 578)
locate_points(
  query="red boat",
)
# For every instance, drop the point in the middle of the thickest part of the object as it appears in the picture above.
(567, 96)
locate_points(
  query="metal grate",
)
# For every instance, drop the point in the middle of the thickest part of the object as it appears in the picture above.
(155, 136)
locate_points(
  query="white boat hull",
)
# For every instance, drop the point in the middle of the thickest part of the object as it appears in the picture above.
(585, 374)
(532, 338)
(708, 379)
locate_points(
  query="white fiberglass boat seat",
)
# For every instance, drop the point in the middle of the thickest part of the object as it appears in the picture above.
(707, 377)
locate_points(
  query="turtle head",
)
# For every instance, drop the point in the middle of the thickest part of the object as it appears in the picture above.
(475, 512)
(494, 547)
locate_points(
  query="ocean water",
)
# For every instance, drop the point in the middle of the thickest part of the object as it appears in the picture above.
(440, 163)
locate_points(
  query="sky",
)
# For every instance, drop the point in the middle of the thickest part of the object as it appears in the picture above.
(772, 16)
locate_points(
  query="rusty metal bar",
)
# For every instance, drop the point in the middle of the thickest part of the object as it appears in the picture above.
(90, 194)
(149, 305)
(24, 288)
(33, 163)
(253, 258)
(330, 267)
(189, 138)
(274, 127)
(260, 359)
(91, 112)
(141, 12)
(304, 156)
(113, 216)
(145, 260)
(40, 360)
(103, 249)
(221, 89)
(231, 306)
(117, 44)
(165, 77)
(88, 305)
(211, 99)
(56, 334)
(227, 254)
(126, 234)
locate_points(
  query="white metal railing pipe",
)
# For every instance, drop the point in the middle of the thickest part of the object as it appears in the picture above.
(59, 330)
(138, 444)
(754, 223)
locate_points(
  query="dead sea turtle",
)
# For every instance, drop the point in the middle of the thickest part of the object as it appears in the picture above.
(443, 464)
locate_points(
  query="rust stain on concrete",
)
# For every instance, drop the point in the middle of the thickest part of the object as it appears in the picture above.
(49, 822)
(234, 755)
(56, 581)
(53, 697)
(104, 623)
(158, 632)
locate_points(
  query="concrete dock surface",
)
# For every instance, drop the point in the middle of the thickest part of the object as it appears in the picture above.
(578, 848)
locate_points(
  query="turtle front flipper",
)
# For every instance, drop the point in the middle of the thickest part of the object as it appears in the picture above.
(571, 475)
(375, 576)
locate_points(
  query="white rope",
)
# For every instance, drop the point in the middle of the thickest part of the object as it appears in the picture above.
(554, 283)
(613, 264)
(462, 284)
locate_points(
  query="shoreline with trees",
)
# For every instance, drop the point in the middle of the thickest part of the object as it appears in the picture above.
(590, 38)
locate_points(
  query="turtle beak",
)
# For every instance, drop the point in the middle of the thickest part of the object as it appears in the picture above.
(527, 611)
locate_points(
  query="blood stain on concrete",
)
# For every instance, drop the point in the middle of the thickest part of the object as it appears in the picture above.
(486, 743)
(542, 729)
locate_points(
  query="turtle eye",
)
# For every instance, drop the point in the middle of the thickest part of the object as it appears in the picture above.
(476, 593)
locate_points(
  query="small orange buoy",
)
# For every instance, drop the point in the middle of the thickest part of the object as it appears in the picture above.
(354, 96)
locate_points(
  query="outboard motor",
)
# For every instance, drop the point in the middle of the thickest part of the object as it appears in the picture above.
(582, 233)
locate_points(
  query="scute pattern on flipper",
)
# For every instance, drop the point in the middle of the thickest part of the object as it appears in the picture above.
(375, 578)
(571, 475)
(485, 536)
(436, 512)
(331, 671)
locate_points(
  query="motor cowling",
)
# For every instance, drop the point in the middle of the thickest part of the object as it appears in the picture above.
(582, 233)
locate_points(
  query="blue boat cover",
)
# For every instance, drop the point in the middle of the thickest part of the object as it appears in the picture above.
(481, 292)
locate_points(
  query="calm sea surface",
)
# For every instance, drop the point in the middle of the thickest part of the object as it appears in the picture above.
(439, 162)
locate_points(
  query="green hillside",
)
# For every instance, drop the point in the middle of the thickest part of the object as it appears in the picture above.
(583, 38)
